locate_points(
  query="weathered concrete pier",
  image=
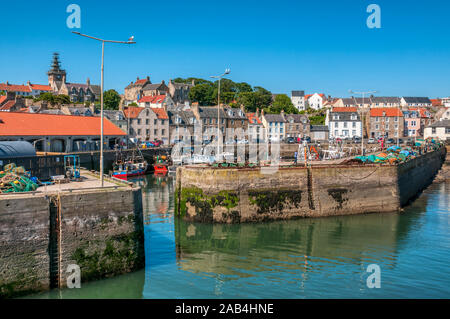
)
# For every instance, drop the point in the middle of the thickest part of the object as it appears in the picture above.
(233, 195)
(42, 233)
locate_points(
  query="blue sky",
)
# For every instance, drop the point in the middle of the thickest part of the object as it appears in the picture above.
(316, 46)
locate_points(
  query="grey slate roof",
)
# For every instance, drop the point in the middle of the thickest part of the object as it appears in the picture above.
(319, 128)
(113, 115)
(152, 86)
(235, 113)
(184, 115)
(344, 116)
(211, 112)
(298, 93)
(442, 123)
(385, 99)
(416, 100)
(348, 101)
(298, 118)
(274, 118)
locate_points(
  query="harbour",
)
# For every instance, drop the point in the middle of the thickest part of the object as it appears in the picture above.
(305, 258)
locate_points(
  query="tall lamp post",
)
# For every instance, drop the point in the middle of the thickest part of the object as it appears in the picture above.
(362, 120)
(130, 41)
(227, 71)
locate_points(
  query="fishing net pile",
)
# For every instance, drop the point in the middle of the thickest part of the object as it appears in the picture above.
(15, 179)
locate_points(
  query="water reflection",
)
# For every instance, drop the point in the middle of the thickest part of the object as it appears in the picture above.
(306, 258)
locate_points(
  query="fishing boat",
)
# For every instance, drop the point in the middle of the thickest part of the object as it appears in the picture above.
(134, 165)
(161, 165)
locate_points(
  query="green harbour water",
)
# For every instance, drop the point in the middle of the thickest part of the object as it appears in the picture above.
(305, 258)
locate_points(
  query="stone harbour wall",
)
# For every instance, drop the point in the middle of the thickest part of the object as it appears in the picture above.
(233, 195)
(101, 231)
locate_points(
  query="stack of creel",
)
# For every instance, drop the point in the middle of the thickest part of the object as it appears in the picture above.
(15, 179)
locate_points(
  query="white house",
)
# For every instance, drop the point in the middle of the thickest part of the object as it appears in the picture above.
(315, 101)
(439, 130)
(344, 122)
(275, 126)
(446, 101)
(298, 99)
(415, 101)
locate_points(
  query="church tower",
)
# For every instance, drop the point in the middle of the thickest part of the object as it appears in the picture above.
(56, 76)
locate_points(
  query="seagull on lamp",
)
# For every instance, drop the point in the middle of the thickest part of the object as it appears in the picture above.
(131, 39)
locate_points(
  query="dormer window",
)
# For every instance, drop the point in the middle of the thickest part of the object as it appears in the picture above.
(335, 117)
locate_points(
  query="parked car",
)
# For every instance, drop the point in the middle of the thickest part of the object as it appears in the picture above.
(244, 141)
(400, 141)
(390, 141)
(306, 138)
(371, 141)
(207, 142)
(291, 140)
(356, 140)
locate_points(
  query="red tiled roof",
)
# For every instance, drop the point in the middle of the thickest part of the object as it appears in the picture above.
(422, 112)
(2, 98)
(14, 88)
(436, 102)
(29, 124)
(40, 87)
(251, 117)
(344, 109)
(160, 113)
(152, 99)
(389, 111)
(132, 112)
(140, 81)
(8, 105)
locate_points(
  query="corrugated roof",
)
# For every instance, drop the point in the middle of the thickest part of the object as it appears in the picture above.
(31, 124)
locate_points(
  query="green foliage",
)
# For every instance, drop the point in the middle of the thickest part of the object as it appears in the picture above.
(206, 93)
(317, 120)
(111, 100)
(2, 92)
(282, 102)
(133, 104)
(53, 99)
(203, 94)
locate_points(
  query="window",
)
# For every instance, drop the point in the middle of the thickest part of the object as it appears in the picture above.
(377, 127)
(139, 122)
(353, 132)
(447, 130)
(139, 131)
(336, 132)
(163, 132)
(354, 124)
(345, 124)
(162, 122)
(155, 122)
(155, 132)
(377, 119)
(147, 132)
(147, 121)
(433, 130)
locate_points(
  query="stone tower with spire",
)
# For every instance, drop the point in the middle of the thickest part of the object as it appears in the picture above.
(56, 76)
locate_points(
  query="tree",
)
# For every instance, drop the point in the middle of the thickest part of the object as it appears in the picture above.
(111, 100)
(62, 99)
(282, 102)
(2, 93)
(253, 100)
(203, 94)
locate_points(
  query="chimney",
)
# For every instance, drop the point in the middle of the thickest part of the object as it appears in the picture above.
(28, 83)
(257, 112)
(137, 79)
(148, 78)
(242, 108)
(262, 112)
(162, 82)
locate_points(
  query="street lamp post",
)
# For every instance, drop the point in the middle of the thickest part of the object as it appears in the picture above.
(227, 71)
(362, 115)
(130, 41)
